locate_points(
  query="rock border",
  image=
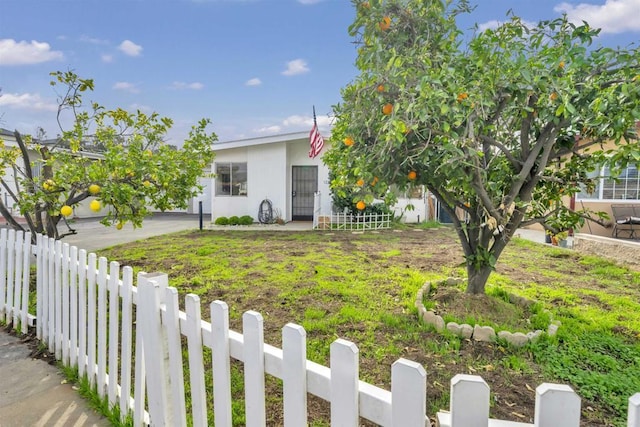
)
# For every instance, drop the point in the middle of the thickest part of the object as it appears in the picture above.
(478, 332)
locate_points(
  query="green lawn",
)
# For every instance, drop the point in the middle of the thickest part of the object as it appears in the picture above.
(362, 287)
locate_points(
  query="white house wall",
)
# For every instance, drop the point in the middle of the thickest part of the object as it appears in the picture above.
(266, 179)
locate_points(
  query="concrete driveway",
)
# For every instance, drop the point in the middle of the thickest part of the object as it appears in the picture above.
(91, 235)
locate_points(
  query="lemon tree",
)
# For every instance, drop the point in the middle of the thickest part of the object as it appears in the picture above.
(118, 158)
(498, 125)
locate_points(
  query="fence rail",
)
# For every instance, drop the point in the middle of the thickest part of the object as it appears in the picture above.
(127, 341)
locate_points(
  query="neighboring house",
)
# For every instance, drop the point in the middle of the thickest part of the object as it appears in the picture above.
(80, 211)
(278, 168)
(623, 190)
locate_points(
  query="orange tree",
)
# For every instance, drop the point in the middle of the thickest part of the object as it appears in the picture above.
(499, 125)
(116, 157)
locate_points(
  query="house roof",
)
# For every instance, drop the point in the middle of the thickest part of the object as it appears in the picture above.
(249, 142)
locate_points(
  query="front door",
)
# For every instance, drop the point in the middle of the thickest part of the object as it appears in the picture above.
(303, 188)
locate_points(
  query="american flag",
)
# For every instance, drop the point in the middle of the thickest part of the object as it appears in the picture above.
(315, 139)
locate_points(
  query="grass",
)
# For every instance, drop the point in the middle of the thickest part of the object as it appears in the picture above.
(362, 287)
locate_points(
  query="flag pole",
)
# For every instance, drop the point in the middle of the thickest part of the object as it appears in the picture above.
(314, 116)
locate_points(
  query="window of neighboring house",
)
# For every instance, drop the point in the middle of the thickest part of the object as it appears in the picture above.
(231, 179)
(36, 169)
(625, 187)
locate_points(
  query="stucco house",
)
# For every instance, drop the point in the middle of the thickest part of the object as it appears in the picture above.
(278, 168)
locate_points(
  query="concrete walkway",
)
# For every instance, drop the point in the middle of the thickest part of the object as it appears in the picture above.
(34, 392)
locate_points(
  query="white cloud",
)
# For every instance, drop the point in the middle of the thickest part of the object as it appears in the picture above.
(105, 57)
(269, 129)
(183, 85)
(93, 40)
(144, 108)
(23, 52)
(27, 101)
(126, 86)
(253, 82)
(129, 48)
(614, 16)
(296, 123)
(295, 67)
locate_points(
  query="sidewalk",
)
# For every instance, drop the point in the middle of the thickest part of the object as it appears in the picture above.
(35, 393)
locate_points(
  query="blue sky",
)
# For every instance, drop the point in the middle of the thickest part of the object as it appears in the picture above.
(254, 67)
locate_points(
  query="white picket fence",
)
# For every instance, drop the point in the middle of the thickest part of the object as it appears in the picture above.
(90, 315)
(343, 221)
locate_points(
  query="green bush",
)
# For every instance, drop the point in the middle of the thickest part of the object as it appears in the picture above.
(234, 220)
(222, 220)
(246, 220)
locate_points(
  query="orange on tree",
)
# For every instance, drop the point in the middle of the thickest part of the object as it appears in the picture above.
(412, 175)
(385, 24)
(66, 210)
(361, 205)
(360, 182)
(380, 88)
(462, 96)
(553, 96)
(348, 141)
(387, 109)
(374, 181)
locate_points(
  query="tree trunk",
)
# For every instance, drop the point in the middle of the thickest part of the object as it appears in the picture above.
(477, 278)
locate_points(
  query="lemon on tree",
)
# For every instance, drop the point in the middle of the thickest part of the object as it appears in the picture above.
(66, 210)
(95, 205)
(94, 189)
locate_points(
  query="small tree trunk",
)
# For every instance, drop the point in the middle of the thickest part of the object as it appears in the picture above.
(477, 278)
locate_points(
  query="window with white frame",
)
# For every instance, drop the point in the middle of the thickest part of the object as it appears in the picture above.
(231, 179)
(625, 186)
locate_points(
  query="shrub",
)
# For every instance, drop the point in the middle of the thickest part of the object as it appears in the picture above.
(246, 220)
(222, 220)
(234, 220)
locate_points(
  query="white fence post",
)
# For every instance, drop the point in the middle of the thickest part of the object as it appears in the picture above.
(469, 404)
(57, 274)
(344, 383)
(221, 364)
(39, 284)
(26, 274)
(17, 282)
(294, 375)
(196, 363)
(152, 344)
(64, 272)
(51, 297)
(3, 271)
(253, 359)
(91, 316)
(11, 242)
(82, 312)
(408, 394)
(114, 330)
(102, 325)
(73, 302)
(126, 342)
(556, 405)
(634, 411)
(176, 374)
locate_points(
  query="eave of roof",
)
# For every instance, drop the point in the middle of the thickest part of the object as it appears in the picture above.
(249, 142)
